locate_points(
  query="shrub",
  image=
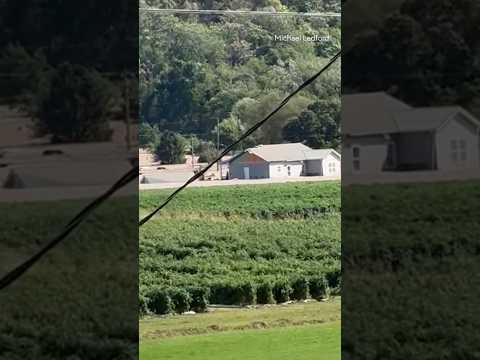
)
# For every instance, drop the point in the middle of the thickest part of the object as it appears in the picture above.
(249, 294)
(142, 305)
(282, 291)
(181, 300)
(159, 301)
(199, 300)
(300, 289)
(333, 278)
(318, 288)
(265, 294)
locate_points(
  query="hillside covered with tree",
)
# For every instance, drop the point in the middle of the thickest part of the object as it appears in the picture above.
(200, 72)
(279, 5)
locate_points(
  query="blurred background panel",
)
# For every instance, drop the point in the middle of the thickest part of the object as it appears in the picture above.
(410, 179)
(68, 131)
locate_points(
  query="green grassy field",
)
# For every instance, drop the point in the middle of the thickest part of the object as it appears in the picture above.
(318, 342)
(79, 302)
(411, 267)
(298, 331)
(226, 237)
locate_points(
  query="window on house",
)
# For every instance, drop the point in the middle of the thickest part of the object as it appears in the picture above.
(356, 158)
(458, 150)
(356, 165)
(279, 168)
(289, 170)
(356, 152)
(332, 168)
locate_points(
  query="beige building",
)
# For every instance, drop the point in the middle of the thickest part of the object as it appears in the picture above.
(390, 136)
(283, 161)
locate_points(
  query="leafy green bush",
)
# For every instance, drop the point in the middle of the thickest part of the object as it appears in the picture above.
(199, 300)
(318, 287)
(333, 278)
(226, 294)
(249, 294)
(222, 253)
(142, 305)
(300, 289)
(180, 300)
(265, 293)
(160, 302)
(282, 291)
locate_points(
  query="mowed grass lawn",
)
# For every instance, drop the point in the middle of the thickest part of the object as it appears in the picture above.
(315, 342)
(298, 331)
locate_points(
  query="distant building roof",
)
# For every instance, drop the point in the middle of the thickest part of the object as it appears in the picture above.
(280, 152)
(288, 152)
(370, 113)
(380, 113)
(424, 119)
(321, 154)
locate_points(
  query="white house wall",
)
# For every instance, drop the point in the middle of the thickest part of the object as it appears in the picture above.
(457, 130)
(280, 169)
(373, 153)
(328, 169)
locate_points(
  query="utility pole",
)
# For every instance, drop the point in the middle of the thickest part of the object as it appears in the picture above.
(218, 144)
(127, 112)
(193, 155)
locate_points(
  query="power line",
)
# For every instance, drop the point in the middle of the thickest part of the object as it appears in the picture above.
(18, 271)
(244, 136)
(240, 12)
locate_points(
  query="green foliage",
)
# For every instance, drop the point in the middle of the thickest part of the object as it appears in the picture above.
(413, 271)
(170, 148)
(300, 288)
(143, 305)
(160, 301)
(214, 243)
(249, 293)
(318, 127)
(69, 103)
(415, 52)
(89, 314)
(282, 291)
(265, 293)
(196, 72)
(333, 278)
(181, 300)
(318, 287)
(230, 130)
(148, 135)
(199, 299)
(206, 151)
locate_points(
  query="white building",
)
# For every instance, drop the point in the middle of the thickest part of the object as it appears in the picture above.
(284, 161)
(382, 134)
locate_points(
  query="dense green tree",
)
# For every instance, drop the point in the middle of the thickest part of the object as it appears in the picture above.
(424, 54)
(206, 151)
(74, 106)
(148, 135)
(318, 127)
(230, 130)
(170, 148)
(196, 72)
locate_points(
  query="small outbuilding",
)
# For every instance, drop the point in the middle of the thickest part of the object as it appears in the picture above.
(392, 136)
(284, 161)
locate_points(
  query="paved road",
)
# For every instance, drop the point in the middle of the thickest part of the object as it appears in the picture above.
(198, 183)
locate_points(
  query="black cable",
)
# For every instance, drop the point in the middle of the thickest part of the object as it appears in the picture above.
(243, 137)
(14, 274)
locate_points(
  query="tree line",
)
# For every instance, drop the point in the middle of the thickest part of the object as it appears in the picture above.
(69, 77)
(205, 79)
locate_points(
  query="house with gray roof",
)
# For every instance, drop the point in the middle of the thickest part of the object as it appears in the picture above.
(284, 161)
(383, 134)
